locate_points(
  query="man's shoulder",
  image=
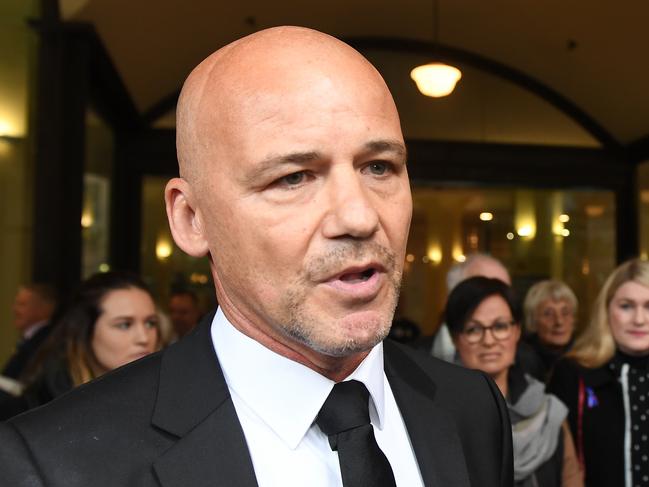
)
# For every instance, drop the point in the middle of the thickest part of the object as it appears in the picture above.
(16, 364)
(450, 382)
(462, 410)
(98, 430)
(123, 393)
(436, 368)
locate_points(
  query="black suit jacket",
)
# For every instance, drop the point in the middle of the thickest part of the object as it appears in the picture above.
(25, 351)
(168, 420)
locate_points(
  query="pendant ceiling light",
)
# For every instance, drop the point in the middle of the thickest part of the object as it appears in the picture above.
(435, 79)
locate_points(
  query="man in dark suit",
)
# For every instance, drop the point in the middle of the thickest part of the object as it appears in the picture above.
(33, 308)
(184, 311)
(294, 183)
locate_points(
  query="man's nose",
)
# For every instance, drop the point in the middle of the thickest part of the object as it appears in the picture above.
(351, 209)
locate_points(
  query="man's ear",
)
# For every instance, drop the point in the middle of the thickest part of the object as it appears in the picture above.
(184, 218)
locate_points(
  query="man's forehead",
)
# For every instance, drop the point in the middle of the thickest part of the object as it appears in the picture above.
(25, 293)
(282, 75)
(271, 87)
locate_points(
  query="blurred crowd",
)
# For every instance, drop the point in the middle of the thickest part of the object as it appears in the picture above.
(578, 396)
(111, 320)
(578, 402)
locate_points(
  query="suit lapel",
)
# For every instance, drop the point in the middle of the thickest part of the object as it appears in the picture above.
(432, 430)
(194, 405)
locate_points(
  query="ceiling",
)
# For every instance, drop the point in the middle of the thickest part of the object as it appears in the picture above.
(592, 53)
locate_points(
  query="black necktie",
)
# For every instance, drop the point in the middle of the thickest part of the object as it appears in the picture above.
(345, 419)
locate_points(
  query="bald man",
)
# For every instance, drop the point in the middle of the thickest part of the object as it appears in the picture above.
(294, 185)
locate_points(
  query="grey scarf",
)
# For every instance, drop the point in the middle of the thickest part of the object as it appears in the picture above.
(536, 424)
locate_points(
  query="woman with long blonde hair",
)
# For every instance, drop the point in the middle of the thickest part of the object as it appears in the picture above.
(604, 381)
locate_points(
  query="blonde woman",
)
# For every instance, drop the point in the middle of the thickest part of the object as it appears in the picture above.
(604, 381)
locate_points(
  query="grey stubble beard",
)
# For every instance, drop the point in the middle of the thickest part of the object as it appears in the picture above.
(302, 328)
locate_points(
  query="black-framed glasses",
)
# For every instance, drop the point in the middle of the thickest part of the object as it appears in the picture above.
(501, 330)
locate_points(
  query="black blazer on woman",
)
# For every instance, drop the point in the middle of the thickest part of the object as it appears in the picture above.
(603, 419)
(168, 420)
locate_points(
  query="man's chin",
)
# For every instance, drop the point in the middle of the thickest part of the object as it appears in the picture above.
(351, 335)
(343, 349)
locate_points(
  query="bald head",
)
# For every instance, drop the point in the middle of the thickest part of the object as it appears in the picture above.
(281, 63)
(477, 265)
(294, 182)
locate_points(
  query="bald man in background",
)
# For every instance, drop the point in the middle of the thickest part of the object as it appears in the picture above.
(294, 185)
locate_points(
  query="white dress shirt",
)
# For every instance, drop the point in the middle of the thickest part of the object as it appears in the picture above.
(32, 329)
(277, 401)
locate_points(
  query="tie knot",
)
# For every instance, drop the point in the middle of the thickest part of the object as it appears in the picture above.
(347, 407)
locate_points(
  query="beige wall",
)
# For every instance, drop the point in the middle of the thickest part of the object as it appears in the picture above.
(16, 46)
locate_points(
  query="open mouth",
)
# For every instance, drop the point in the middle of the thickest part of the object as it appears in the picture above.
(358, 283)
(355, 277)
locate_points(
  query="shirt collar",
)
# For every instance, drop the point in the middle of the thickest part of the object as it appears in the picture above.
(284, 394)
(32, 329)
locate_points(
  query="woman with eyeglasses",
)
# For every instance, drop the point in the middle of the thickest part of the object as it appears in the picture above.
(484, 322)
(604, 381)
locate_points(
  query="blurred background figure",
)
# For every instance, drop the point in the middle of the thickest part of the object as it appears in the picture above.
(184, 311)
(483, 318)
(404, 330)
(550, 308)
(475, 265)
(111, 322)
(165, 329)
(604, 381)
(33, 308)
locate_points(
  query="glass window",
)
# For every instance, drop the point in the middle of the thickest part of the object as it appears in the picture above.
(537, 234)
(95, 214)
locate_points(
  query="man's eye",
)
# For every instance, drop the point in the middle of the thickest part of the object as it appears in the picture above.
(293, 179)
(378, 168)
